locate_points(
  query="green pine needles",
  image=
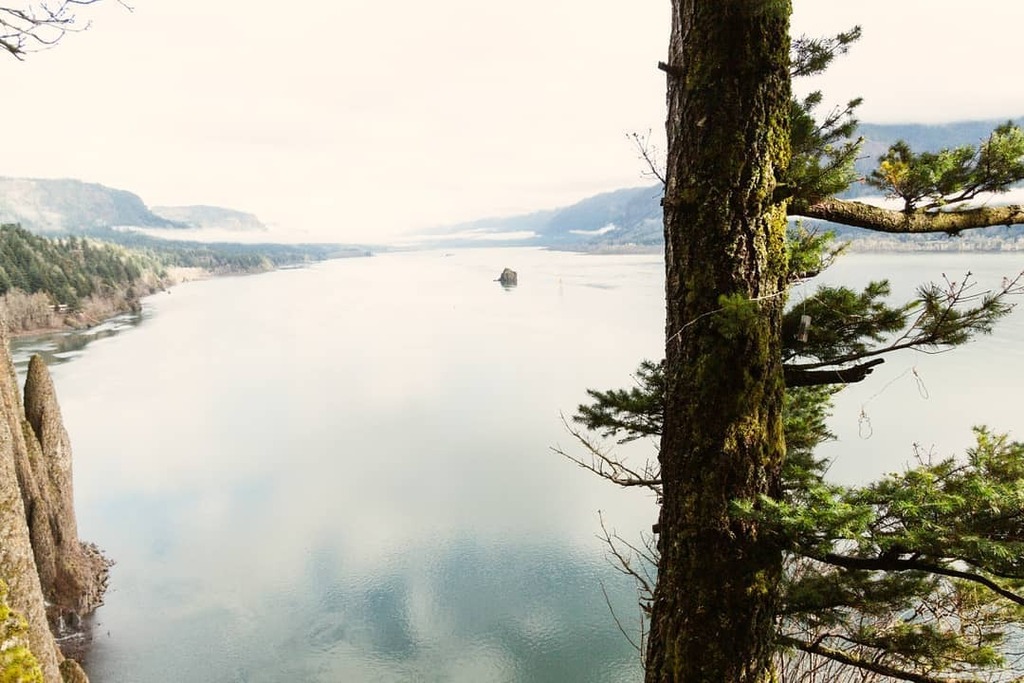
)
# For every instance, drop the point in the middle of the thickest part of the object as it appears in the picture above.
(918, 576)
(933, 180)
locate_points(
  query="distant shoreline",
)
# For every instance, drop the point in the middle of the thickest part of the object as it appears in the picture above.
(101, 309)
(856, 246)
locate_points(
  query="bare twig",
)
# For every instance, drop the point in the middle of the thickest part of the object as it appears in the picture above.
(40, 27)
(649, 155)
(602, 463)
(635, 563)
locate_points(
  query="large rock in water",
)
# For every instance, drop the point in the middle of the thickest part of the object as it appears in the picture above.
(508, 278)
(41, 559)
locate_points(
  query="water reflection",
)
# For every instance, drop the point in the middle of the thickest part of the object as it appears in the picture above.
(60, 347)
(343, 473)
(460, 612)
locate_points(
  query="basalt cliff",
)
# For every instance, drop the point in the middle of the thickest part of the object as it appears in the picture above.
(51, 579)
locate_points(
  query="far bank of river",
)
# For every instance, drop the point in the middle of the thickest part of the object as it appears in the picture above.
(60, 336)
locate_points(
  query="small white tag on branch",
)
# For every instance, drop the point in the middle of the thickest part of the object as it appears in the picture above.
(805, 328)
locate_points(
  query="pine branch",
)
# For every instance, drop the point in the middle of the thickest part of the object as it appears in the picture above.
(860, 215)
(877, 667)
(896, 564)
(796, 376)
(941, 323)
(607, 466)
(810, 56)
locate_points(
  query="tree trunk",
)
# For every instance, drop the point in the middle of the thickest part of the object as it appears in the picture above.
(728, 142)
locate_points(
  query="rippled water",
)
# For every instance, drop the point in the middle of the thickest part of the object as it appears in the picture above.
(343, 472)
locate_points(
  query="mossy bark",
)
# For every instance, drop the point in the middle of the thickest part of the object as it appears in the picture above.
(728, 143)
(917, 222)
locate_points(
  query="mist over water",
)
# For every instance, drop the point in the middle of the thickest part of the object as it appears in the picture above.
(343, 472)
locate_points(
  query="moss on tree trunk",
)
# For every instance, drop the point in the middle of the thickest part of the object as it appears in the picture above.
(728, 142)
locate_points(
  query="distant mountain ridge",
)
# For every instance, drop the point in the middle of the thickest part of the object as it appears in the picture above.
(620, 217)
(209, 217)
(631, 218)
(69, 206)
(72, 206)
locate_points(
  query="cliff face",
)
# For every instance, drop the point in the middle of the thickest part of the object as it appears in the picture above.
(73, 574)
(17, 560)
(53, 578)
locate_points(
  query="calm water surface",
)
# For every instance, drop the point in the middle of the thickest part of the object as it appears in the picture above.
(343, 473)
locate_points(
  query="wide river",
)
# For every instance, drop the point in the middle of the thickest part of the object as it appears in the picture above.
(343, 473)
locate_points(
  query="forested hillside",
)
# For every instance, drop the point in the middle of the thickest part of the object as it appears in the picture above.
(71, 281)
(68, 269)
(77, 281)
(221, 258)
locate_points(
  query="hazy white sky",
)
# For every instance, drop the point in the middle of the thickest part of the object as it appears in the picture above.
(357, 119)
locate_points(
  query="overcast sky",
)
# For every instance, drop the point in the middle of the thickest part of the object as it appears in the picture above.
(358, 119)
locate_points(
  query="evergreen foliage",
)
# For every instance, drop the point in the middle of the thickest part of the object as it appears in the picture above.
(68, 269)
(918, 576)
(823, 151)
(628, 414)
(223, 257)
(919, 572)
(930, 180)
(65, 272)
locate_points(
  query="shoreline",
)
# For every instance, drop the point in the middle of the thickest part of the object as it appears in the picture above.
(99, 310)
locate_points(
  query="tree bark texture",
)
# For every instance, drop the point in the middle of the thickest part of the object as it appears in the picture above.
(728, 143)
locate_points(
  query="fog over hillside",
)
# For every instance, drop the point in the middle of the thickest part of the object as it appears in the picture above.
(69, 206)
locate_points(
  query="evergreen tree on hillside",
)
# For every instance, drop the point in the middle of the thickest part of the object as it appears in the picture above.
(67, 270)
(914, 577)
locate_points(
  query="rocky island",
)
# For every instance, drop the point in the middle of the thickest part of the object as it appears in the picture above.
(50, 579)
